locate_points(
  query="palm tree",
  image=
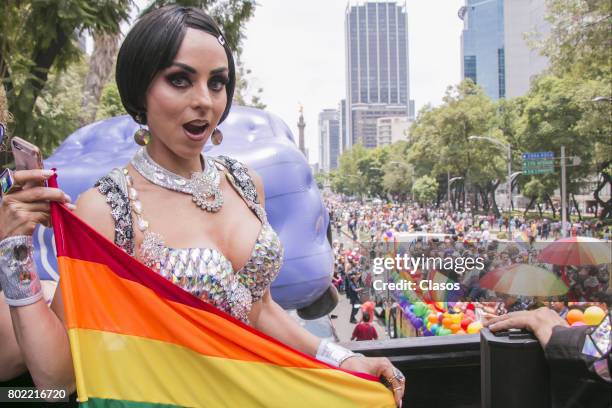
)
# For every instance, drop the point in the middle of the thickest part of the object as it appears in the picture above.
(101, 63)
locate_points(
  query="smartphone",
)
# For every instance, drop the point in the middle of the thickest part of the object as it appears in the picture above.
(27, 156)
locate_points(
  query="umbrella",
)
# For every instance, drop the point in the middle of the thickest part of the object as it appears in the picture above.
(525, 280)
(576, 251)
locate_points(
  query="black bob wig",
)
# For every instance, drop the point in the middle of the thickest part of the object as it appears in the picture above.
(151, 46)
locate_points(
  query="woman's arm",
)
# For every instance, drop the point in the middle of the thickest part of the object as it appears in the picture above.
(272, 319)
(11, 360)
(40, 330)
(268, 317)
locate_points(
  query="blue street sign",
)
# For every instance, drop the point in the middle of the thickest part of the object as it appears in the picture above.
(538, 155)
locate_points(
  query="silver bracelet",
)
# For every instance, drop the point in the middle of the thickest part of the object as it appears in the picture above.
(333, 354)
(18, 277)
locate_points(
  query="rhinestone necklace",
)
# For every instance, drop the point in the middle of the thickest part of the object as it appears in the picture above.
(202, 186)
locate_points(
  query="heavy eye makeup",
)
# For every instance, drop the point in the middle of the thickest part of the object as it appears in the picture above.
(218, 82)
(182, 79)
(178, 79)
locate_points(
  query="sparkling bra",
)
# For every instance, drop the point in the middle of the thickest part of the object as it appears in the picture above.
(205, 272)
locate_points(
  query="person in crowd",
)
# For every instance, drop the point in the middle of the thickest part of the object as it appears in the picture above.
(582, 352)
(364, 329)
(353, 291)
(176, 77)
(560, 307)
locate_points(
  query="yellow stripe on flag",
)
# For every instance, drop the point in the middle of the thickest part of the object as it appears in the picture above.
(157, 372)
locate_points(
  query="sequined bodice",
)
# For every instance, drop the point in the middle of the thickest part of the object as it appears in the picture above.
(209, 275)
(206, 272)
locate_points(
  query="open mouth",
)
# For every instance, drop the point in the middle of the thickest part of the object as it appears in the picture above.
(196, 128)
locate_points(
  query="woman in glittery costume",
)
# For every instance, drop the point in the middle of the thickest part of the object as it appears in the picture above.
(198, 221)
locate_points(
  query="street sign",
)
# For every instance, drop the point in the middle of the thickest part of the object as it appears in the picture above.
(538, 155)
(538, 163)
(528, 172)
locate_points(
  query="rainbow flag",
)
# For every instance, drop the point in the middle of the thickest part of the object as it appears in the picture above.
(137, 340)
(522, 238)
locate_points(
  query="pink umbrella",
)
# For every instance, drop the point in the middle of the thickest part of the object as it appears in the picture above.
(525, 280)
(576, 251)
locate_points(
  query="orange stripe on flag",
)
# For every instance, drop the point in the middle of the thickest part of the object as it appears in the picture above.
(129, 308)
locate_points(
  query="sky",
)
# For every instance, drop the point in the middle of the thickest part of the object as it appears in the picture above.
(295, 50)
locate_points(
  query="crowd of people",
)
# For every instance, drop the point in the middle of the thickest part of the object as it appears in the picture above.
(374, 219)
(368, 230)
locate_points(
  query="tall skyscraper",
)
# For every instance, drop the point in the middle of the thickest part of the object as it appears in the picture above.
(329, 139)
(494, 51)
(377, 73)
(482, 43)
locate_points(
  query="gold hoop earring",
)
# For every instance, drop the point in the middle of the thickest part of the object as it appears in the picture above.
(217, 137)
(142, 136)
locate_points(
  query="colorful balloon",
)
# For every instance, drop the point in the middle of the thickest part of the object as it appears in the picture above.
(444, 332)
(574, 315)
(593, 315)
(474, 327)
(465, 322)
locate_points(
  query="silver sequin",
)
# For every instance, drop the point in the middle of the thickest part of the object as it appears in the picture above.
(205, 272)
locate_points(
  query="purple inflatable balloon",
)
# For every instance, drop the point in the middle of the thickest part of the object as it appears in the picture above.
(257, 138)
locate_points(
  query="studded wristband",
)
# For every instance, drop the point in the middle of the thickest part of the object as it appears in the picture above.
(333, 354)
(18, 277)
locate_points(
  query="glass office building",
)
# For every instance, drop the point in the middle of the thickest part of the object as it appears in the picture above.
(482, 41)
(377, 71)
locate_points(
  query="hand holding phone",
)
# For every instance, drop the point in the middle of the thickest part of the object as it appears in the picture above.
(27, 157)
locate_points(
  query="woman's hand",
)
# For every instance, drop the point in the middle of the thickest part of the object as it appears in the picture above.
(379, 367)
(23, 209)
(540, 322)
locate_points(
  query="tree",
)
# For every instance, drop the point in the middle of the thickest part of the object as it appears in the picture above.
(101, 63)
(425, 189)
(243, 93)
(371, 168)
(40, 36)
(110, 102)
(553, 114)
(321, 179)
(441, 144)
(348, 179)
(398, 173)
(579, 41)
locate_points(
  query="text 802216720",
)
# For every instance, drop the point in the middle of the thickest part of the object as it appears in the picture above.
(32, 394)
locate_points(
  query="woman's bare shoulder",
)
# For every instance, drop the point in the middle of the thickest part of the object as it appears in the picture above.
(91, 207)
